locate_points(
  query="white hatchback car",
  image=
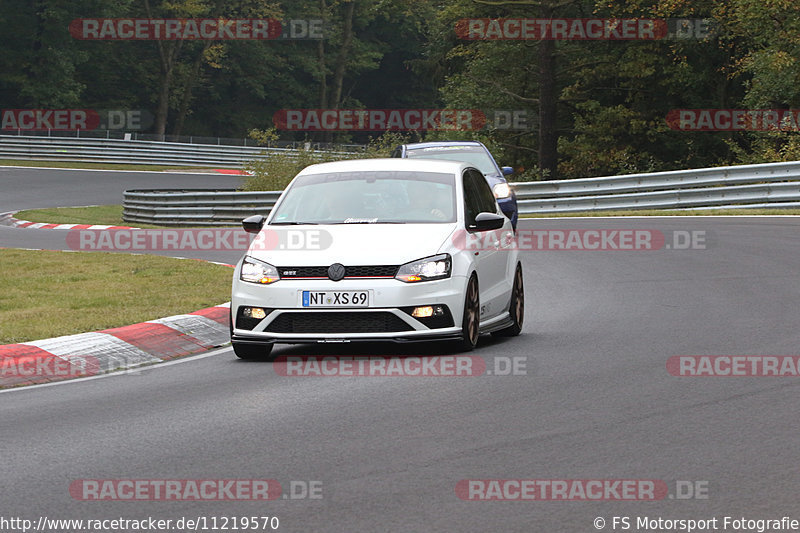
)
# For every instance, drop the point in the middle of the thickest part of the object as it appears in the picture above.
(378, 250)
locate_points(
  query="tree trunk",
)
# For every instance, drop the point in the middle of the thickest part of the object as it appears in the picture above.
(163, 102)
(335, 98)
(344, 55)
(548, 102)
(323, 67)
(167, 56)
(186, 98)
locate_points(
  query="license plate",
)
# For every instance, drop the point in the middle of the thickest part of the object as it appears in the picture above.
(335, 298)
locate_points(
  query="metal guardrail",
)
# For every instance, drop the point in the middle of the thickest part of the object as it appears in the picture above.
(740, 187)
(735, 187)
(132, 152)
(185, 139)
(737, 196)
(199, 207)
(745, 186)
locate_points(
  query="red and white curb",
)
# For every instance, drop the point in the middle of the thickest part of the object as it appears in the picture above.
(7, 219)
(232, 172)
(108, 350)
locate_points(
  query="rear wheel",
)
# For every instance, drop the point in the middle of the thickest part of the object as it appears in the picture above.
(252, 351)
(471, 322)
(516, 309)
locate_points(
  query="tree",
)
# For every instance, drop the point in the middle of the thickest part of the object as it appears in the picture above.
(767, 33)
(38, 57)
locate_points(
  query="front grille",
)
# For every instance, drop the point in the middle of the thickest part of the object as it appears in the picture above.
(370, 271)
(303, 272)
(338, 322)
(382, 271)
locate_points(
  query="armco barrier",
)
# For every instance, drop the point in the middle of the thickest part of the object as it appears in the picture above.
(735, 187)
(184, 208)
(740, 187)
(131, 152)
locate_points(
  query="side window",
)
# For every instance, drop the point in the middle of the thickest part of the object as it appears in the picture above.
(487, 202)
(472, 204)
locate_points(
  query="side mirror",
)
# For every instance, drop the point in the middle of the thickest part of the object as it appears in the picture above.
(253, 224)
(488, 221)
(507, 171)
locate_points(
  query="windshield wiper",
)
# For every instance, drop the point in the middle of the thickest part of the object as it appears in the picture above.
(293, 224)
(368, 222)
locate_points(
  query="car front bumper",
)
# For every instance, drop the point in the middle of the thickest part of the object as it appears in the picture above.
(387, 318)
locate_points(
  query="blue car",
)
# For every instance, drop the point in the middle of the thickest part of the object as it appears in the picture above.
(476, 154)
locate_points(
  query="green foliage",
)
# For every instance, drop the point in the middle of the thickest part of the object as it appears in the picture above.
(767, 34)
(275, 172)
(610, 104)
(766, 147)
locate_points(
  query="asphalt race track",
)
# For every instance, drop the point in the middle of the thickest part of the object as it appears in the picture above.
(595, 399)
(31, 188)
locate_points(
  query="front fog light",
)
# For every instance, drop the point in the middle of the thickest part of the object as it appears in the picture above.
(254, 312)
(428, 311)
(422, 312)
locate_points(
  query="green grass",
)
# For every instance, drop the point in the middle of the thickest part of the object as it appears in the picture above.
(110, 215)
(90, 165)
(666, 212)
(106, 215)
(47, 294)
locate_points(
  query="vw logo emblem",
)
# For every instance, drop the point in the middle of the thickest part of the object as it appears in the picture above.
(336, 271)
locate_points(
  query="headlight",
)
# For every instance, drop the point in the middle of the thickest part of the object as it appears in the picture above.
(427, 269)
(255, 271)
(502, 190)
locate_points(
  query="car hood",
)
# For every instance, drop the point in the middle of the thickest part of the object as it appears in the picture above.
(349, 244)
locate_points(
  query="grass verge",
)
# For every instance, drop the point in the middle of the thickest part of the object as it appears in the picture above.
(90, 165)
(666, 212)
(107, 215)
(47, 294)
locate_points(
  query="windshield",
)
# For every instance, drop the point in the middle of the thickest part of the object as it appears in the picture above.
(474, 155)
(369, 197)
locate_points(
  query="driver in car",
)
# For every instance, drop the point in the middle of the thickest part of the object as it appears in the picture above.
(425, 201)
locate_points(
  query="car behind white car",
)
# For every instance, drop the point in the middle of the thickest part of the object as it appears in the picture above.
(379, 249)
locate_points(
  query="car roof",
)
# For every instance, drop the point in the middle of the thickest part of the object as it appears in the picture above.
(409, 165)
(433, 144)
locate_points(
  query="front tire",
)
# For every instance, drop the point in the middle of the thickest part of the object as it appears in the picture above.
(517, 308)
(471, 321)
(252, 352)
